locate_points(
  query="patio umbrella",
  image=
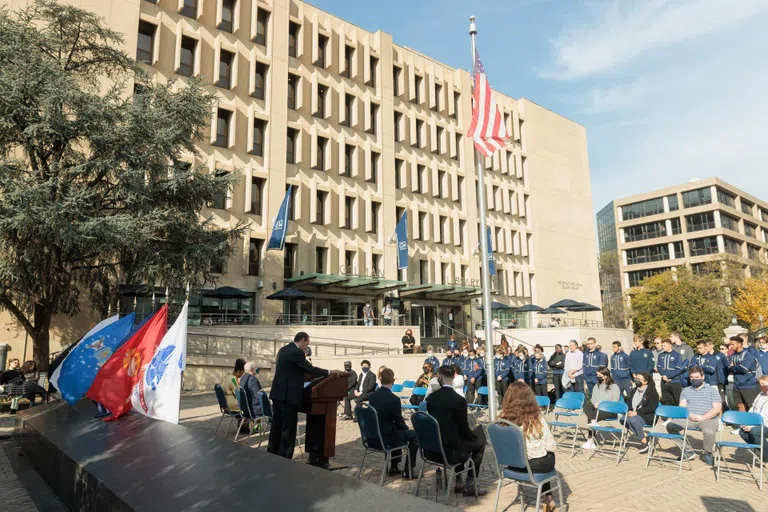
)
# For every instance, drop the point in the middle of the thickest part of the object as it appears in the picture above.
(227, 292)
(495, 306)
(565, 303)
(583, 306)
(529, 308)
(289, 294)
(552, 311)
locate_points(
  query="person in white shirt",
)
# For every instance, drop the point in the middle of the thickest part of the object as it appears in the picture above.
(751, 435)
(495, 323)
(387, 314)
(573, 377)
(458, 382)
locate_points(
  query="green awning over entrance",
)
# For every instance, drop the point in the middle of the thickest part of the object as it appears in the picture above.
(347, 284)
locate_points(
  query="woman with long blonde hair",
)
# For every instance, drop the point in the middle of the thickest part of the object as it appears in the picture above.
(520, 407)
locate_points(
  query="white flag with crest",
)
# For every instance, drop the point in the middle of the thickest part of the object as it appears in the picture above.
(158, 392)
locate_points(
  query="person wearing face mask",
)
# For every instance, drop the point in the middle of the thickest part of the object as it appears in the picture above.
(501, 371)
(519, 367)
(448, 360)
(474, 375)
(539, 371)
(619, 365)
(351, 382)
(250, 382)
(408, 342)
(366, 383)
(431, 358)
(642, 401)
(751, 435)
(704, 407)
(557, 364)
(604, 391)
(762, 354)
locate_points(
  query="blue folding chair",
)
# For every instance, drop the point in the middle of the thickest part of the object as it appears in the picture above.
(264, 422)
(417, 392)
(572, 408)
(741, 419)
(510, 449)
(246, 413)
(571, 395)
(397, 388)
(432, 453)
(224, 408)
(482, 391)
(370, 435)
(619, 433)
(670, 412)
(409, 384)
(543, 401)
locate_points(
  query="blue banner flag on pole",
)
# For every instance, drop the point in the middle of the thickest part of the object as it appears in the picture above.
(491, 263)
(280, 226)
(79, 369)
(401, 231)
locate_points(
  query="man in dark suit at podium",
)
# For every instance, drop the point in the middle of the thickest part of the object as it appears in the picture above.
(288, 392)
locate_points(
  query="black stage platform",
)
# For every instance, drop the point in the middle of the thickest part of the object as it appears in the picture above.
(140, 464)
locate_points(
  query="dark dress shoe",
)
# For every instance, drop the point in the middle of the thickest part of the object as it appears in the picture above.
(470, 491)
(394, 471)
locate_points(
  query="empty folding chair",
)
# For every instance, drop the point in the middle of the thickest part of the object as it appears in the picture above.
(510, 449)
(741, 419)
(571, 408)
(616, 433)
(571, 395)
(246, 413)
(670, 412)
(224, 408)
(417, 392)
(264, 422)
(370, 435)
(543, 401)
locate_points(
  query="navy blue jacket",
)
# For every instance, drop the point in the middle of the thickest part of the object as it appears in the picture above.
(721, 367)
(539, 370)
(465, 363)
(435, 362)
(708, 365)
(641, 361)
(592, 361)
(620, 366)
(743, 366)
(670, 366)
(762, 358)
(448, 361)
(475, 373)
(519, 369)
(501, 367)
(453, 345)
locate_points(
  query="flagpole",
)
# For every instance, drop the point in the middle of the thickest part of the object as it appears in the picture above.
(485, 274)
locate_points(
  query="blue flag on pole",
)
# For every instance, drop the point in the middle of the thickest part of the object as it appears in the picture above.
(79, 369)
(280, 226)
(401, 231)
(491, 263)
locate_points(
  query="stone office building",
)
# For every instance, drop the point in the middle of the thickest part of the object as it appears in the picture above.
(364, 130)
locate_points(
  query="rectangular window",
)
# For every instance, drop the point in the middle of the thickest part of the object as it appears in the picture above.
(462, 228)
(293, 39)
(349, 156)
(290, 145)
(417, 89)
(396, 71)
(259, 129)
(700, 221)
(398, 131)
(322, 91)
(746, 207)
(697, 197)
(728, 222)
(678, 246)
(423, 272)
(349, 261)
(257, 195)
(457, 156)
(419, 129)
(703, 246)
(189, 9)
(439, 140)
(438, 90)
(374, 63)
(349, 208)
(648, 254)
(260, 81)
(375, 209)
(227, 15)
(223, 120)
(673, 204)
(374, 116)
(349, 57)
(322, 44)
(292, 201)
(399, 169)
(460, 190)
(750, 230)
(322, 145)
(289, 260)
(254, 256)
(676, 230)
(146, 42)
(349, 109)
(225, 69)
(636, 277)
(642, 209)
(320, 207)
(444, 272)
(376, 263)
(441, 183)
(375, 158)
(187, 56)
(444, 236)
(726, 198)
(422, 226)
(732, 246)
(220, 201)
(420, 169)
(262, 23)
(456, 103)
(645, 231)
(321, 257)
(764, 215)
(293, 84)
(217, 267)
(753, 252)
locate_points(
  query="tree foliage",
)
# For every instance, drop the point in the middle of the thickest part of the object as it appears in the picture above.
(693, 304)
(93, 189)
(750, 302)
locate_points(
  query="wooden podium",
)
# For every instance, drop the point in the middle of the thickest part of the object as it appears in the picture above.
(321, 400)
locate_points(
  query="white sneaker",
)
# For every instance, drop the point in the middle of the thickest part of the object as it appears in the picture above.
(735, 432)
(665, 423)
(593, 422)
(589, 445)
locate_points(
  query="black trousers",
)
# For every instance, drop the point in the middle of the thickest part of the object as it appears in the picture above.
(501, 388)
(407, 436)
(670, 393)
(315, 437)
(472, 390)
(357, 399)
(282, 436)
(591, 412)
(475, 449)
(557, 379)
(540, 389)
(543, 464)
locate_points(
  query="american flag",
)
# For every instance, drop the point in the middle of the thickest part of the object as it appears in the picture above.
(487, 127)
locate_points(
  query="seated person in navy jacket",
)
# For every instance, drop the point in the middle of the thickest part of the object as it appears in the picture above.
(394, 431)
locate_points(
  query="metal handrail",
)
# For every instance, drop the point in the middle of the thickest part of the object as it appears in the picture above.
(440, 323)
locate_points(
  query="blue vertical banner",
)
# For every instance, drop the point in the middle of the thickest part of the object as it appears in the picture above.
(401, 231)
(491, 263)
(280, 226)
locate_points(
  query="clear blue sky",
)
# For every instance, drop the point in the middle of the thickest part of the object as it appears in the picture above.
(668, 90)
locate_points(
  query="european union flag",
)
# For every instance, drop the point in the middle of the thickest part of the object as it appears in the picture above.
(401, 232)
(280, 226)
(491, 263)
(79, 369)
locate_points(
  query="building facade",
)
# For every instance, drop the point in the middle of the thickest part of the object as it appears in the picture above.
(363, 130)
(690, 224)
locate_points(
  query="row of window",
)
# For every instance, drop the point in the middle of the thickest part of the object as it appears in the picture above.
(695, 222)
(654, 253)
(691, 199)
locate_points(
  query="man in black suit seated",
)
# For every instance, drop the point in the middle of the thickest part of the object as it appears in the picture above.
(366, 383)
(287, 394)
(394, 431)
(351, 382)
(459, 442)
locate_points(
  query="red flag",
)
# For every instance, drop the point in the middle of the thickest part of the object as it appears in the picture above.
(114, 383)
(487, 126)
